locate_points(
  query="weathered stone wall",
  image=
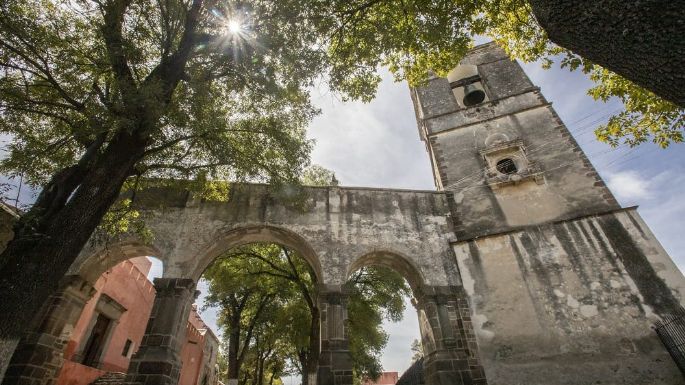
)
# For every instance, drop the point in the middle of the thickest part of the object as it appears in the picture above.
(572, 302)
(335, 228)
(39, 355)
(338, 230)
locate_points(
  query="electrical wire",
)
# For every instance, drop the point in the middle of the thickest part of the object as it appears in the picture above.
(577, 130)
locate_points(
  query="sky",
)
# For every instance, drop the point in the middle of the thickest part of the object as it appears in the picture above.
(377, 145)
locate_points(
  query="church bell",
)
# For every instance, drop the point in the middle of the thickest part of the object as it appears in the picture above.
(473, 94)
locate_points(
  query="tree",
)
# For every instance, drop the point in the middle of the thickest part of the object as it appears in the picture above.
(97, 95)
(415, 37)
(265, 360)
(267, 298)
(637, 41)
(286, 327)
(375, 294)
(222, 363)
(417, 350)
(292, 268)
(244, 305)
(117, 89)
(316, 175)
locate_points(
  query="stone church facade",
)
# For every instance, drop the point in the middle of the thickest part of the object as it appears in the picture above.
(524, 268)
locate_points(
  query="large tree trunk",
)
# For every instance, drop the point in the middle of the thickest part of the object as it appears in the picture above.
(304, 364)
(35, 263)
(643, 41)
(260, 370)
(233, 347)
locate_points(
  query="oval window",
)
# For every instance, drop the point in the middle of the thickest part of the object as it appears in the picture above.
(506, 166)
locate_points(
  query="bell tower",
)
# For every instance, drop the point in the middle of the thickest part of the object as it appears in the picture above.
(500, 149)
(563, 285)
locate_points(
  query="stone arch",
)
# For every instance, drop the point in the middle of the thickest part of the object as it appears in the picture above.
(393, 260)
(252, 234)
(429, 327)
(106, 257)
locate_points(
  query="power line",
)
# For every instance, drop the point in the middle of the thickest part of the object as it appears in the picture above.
(591, 114)
(598, 154)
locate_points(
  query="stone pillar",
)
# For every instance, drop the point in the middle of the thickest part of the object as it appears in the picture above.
(450, 349)
(335, 362)
(40, 353)
(158, 361)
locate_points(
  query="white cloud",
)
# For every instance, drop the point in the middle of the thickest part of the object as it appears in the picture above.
(665, 211)
(372, 145)
(629, 185)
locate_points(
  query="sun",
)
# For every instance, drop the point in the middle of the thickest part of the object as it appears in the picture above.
(233, 26)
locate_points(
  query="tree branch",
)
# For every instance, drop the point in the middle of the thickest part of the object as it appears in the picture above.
(47, 75)
(114, 11)
(300, 283)
(170, 70)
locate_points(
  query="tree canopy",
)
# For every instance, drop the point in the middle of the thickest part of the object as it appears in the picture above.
(269, 314)
(376, 295)
(96, 95)
(268, 306)
(228, 103)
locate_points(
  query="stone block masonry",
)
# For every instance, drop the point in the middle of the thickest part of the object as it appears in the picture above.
(158, 362)
(40, 353)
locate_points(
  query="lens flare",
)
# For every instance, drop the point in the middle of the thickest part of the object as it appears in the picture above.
(233, 26)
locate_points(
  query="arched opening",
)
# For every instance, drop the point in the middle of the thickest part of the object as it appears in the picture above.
(392, 260)
(236, 238)
(92, 266)
(399, 280)
(103, 341)
(263, 299)
(467, 85)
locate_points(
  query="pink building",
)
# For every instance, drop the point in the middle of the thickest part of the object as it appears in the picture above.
(387, 378)
(199, 353)
(113, 323)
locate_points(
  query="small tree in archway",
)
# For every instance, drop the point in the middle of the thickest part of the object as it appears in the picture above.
(376, 294)
(266, 284)
(269, 313)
